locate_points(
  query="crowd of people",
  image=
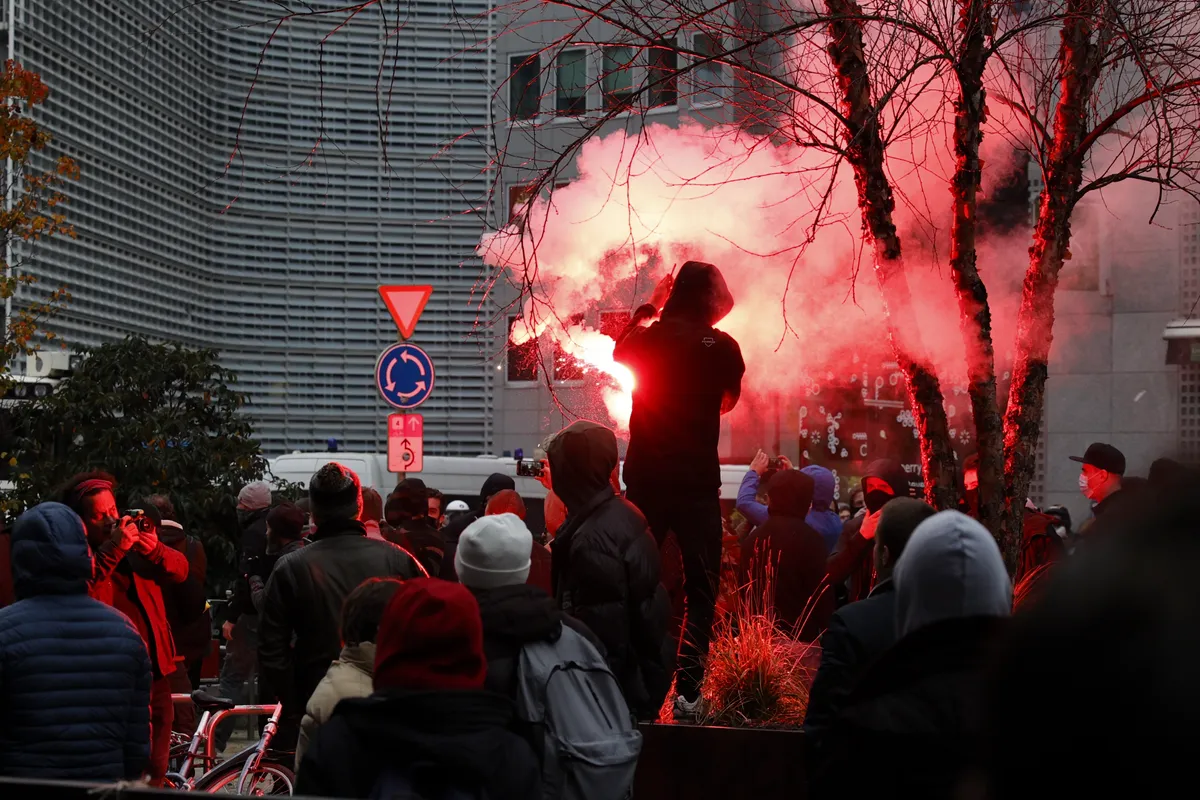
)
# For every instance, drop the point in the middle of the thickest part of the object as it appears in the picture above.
(433, 650)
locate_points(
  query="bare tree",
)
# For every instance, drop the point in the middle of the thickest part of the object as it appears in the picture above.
(1095, 91)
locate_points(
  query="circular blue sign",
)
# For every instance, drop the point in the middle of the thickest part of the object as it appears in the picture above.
(404, 375)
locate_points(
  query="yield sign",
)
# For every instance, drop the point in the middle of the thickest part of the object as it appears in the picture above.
(406, 304)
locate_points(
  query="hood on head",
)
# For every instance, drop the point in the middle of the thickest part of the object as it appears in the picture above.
(496, 482)
(582, 457)
(891, 472)
(823, 486)
(789, 494)
(50, 553)
(951, 568)
(700, 294)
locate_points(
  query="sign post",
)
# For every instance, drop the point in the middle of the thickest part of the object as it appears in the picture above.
(406, 441)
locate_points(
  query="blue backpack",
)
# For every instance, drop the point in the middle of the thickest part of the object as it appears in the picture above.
(569, 696)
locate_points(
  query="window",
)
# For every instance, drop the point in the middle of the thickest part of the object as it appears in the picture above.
(570, 75)
(518, 198)
(663, 74)
(522, 358)
(617, 82)
(566, 366)
(613, 322)
(524, 86)
(709, 76)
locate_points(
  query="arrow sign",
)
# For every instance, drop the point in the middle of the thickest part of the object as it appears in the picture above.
(405, 303)
(406, 439)
(405, 376)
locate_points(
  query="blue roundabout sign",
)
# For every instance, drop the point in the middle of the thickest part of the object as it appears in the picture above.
(404, 375)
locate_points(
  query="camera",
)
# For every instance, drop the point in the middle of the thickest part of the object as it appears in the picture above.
(139, 519)
(775, 464)
(529, 468)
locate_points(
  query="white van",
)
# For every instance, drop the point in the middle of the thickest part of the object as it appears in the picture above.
(456, 477)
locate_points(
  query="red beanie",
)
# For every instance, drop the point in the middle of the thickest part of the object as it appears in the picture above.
(430, 637)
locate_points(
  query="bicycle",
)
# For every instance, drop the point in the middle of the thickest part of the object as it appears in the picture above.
(251, 772)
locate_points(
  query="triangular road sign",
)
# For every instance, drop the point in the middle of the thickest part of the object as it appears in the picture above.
(406, 304)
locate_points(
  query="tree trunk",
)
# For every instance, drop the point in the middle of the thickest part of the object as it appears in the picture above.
(1079, 60)
(865, 152)
(975, 314)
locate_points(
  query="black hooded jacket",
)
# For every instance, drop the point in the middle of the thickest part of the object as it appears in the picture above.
(458, 739)
(606, 569)
(688, 374)
(514, 616)
(495, 483)
(784, 558)
(851, 557)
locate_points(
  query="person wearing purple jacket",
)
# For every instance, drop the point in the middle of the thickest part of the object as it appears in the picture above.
(821, 516)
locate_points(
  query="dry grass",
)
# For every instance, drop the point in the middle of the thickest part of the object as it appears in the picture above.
(757, 675)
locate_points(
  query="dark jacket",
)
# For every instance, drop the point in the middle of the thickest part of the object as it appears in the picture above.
(783, 562)
(130, 582)
(7, 597)
(299, 632)
(186, 603)
(915, 718)
(688, 374)
(261, 572)
(423, 540)
(514, 616)
(496, 482)
(74, 673)
(605, 566)
(253, 548)
(459, 737)
(857, 635)
(851, 561)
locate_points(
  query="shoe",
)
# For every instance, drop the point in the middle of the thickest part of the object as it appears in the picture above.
(688, 711)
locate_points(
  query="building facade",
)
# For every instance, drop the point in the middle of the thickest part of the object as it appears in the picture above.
(1111, 378)
(250, 179)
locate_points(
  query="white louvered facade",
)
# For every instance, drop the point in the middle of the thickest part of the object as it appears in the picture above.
(275, 260)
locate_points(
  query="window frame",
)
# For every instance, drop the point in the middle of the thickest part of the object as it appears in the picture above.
(558, 84)
(627, 104)
(517, 62)
(710, 91)
(535, 356)
(656, 98)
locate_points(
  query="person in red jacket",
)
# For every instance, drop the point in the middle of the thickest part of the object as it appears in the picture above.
(130, 562)
(509, 502)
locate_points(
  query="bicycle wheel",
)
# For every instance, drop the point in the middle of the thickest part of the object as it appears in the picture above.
(268, 780)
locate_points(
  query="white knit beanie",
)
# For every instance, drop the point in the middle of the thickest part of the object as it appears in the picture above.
(494, 551)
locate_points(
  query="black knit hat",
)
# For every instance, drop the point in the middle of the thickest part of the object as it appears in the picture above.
(333, 487)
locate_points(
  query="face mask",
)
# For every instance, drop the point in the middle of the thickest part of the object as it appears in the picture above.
(1084, 486)
(876, 498)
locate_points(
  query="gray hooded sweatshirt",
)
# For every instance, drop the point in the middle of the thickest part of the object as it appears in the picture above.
(950, 568)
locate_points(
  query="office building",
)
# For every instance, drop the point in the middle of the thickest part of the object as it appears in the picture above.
(248, 181)
(1129, 285)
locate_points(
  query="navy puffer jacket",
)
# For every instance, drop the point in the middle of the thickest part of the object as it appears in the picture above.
(74, 673)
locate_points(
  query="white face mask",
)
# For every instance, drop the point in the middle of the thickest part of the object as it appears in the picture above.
(1083, 484)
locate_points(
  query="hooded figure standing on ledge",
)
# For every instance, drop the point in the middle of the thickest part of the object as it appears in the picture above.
(687, 375)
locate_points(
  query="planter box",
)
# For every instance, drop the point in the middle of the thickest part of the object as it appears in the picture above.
(692, 762)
